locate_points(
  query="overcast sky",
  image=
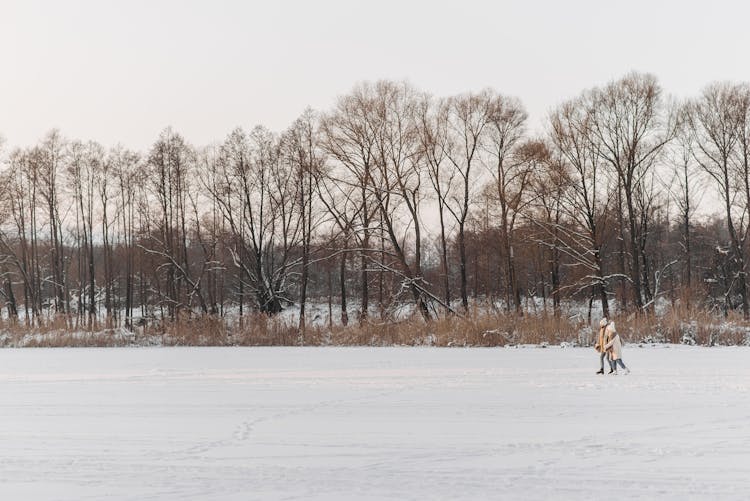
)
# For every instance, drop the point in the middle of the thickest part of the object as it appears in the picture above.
(120, 71)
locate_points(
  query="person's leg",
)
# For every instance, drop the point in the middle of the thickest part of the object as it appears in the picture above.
(602, 356)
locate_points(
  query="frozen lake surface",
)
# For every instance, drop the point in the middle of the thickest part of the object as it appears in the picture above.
(373, 423)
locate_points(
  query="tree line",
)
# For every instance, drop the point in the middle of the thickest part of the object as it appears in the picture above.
(392, 198)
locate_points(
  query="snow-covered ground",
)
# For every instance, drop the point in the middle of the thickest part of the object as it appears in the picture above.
(365, 423)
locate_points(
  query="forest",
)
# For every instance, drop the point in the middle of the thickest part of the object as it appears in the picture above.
(394, 216)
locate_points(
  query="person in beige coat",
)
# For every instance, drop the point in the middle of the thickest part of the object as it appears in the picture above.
(614, 347)
(601, 340)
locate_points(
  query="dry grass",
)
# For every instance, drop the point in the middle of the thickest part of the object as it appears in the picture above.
(480, 329)
(686, 327)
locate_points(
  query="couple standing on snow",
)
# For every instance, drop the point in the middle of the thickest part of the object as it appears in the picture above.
(609, 346)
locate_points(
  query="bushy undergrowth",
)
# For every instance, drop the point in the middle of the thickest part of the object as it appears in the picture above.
(481, 329)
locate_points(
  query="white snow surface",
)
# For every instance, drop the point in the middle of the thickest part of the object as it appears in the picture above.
(373, 423)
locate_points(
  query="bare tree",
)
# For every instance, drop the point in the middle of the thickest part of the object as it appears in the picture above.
(683, 188)
(631, 126)
(127, 170)
(510, 162)
(49, 159)
(467, 118)
(301, 150)
(397, 182)
(83, 165)
(22, 199)
(348, 138)
(587, 201)
(716, 122)
(171, 161)
(550, 186)
(258, 197)
(432, 129)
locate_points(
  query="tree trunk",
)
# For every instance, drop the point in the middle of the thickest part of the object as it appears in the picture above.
(462, 267)
(342, 284)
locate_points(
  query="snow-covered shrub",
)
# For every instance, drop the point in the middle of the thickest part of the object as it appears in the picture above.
(689, 332)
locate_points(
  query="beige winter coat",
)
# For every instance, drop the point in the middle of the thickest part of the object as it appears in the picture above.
(600, 340)
(614, 344)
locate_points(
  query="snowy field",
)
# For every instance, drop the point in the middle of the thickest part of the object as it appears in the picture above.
(364, 423)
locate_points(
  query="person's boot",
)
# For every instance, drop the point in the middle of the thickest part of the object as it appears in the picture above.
(600, 371)
(611, 371)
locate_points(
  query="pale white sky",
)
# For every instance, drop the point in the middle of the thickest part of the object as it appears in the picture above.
(120, 71)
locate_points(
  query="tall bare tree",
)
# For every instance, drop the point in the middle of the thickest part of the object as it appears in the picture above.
(348, 138)
(587, 199)
(434, 137)
(631, 125)
(467, 119)
(510, 163)
(301, 149)
(716, 122)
